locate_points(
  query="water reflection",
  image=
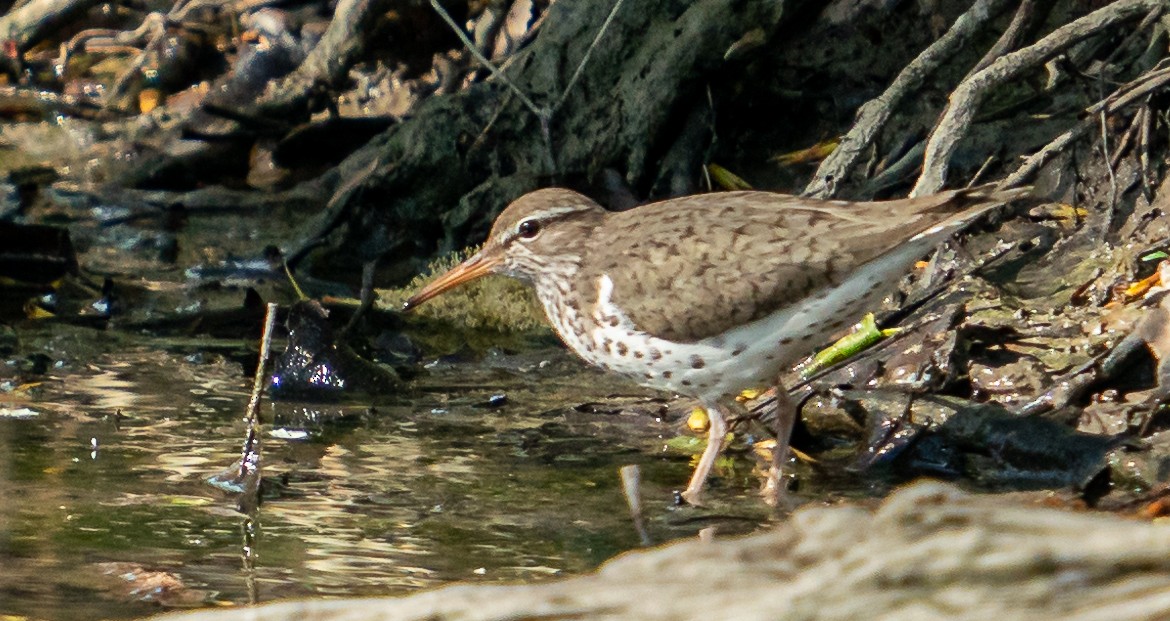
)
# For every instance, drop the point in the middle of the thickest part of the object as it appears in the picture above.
(358, 500)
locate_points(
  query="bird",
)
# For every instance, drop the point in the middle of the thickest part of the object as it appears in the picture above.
(710, 294)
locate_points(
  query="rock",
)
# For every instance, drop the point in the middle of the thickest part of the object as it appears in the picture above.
(930, 551)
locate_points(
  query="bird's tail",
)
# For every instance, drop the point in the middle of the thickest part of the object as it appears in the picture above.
(951, 211)
(992, 192)
(989, 195)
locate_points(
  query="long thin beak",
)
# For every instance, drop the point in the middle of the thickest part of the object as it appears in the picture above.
(478, 265)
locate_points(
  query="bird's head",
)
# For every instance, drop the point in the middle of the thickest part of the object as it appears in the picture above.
(539, 233)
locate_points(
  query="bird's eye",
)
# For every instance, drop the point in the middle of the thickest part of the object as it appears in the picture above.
(528, 229)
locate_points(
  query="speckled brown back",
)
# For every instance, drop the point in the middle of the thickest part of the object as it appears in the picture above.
(693, 267)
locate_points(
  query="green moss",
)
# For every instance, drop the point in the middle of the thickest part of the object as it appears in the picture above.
(493, 303)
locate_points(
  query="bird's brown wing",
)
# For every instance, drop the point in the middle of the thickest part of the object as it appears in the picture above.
(698, 266)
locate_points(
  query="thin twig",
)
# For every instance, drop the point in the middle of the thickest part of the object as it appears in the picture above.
(982, 169)
(1144, 148)
(481, 139)
(1125, 143)
(543, 114)
(537, 110)
(1106, 159)
(252, 414)
(1122, 97)
(1010, 37)
(588, 53)
(249, 473)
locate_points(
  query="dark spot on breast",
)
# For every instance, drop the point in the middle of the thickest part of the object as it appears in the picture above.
(739, 349)
(638, 354)
(607, 345)
(697, 362)
(667, 375)
(786, 340)
(655, 354)
(836, 324)
(770, 357)
(613, 321)
(686, 382)
(622, 349)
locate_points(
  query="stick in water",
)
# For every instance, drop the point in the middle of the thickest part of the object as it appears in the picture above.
(631, 487)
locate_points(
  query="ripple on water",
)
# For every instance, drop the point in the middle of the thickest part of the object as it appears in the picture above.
(360, 501)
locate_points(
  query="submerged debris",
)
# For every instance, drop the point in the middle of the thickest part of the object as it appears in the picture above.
(316, 367)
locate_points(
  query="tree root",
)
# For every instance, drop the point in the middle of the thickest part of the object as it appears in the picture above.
(964, 101)
(872, 116)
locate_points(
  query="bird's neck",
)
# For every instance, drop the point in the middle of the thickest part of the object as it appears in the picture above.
(556, 288)
(556, 280)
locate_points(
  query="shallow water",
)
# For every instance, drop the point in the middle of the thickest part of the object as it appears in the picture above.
(107, 512)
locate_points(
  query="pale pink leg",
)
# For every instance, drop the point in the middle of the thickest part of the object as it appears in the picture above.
(774, 491)
(716, 437)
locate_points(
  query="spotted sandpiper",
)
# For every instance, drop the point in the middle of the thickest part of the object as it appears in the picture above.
(708, 295)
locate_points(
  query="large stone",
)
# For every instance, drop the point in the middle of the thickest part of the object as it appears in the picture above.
(930, 551)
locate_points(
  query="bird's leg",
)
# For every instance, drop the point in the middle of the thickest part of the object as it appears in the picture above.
(716, 436)
(773, 491)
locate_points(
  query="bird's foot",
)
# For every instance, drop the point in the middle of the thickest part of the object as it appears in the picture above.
(693, 496)
(776, 494)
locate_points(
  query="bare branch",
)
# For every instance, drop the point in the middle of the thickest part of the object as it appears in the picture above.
(956, 120)
(873, 115)
(1122, 97)
(1010, 37)
(588, 53)
(330, 60)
